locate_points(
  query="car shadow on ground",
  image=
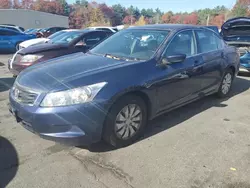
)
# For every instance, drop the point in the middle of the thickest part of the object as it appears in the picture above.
(8, 162)
(6, 83)
(182, 114)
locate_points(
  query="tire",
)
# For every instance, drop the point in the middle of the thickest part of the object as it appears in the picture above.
(226, 84)
(113, 131)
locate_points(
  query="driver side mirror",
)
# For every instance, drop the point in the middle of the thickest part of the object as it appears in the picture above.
(178, 58)
(173, 59)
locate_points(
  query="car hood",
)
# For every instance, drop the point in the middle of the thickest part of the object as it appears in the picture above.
(236, 30)
(61, 73)
(30, 42)
(42, 48)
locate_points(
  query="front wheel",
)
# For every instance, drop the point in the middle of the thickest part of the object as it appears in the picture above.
(226, 84)
(126, 121)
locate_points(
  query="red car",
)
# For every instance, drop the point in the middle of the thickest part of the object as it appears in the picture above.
(49, 31)
(68, 43)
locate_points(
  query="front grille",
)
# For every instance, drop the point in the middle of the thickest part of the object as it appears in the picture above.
(24, 96)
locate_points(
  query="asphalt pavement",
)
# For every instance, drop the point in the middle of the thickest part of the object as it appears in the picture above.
(204, 144)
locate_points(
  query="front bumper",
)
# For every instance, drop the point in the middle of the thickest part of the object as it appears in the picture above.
(71, 125)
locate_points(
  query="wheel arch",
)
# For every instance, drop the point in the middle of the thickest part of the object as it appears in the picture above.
(137, 91)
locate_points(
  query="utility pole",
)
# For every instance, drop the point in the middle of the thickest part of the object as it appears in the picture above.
(208, 18)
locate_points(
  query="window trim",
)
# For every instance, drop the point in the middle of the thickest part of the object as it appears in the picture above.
(169, 42)
(200, 29)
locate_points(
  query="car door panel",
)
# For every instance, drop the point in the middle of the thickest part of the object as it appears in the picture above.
(177, 83)
(212, 55)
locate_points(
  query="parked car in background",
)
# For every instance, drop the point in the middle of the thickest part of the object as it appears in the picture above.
(33, 31)
(236, 32)
(29, 30)
(111, 29)
(12, 27)
(10, 39)
(36, 41)
(67, 43)
(49, 31)
(113, 90)
(21, 28)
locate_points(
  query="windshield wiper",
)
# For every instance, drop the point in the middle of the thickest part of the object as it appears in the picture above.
(112, 56)
(121, 58)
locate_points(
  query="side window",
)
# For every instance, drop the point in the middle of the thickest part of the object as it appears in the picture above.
(92, 39)
(7, 33)
(182, 43)
(51, 30)
(208, 41)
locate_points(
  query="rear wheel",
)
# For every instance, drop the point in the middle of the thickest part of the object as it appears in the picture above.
(226, 84)
(126, 121)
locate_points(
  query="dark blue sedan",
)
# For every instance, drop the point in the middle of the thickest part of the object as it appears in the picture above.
(113, 90)
(10, 39)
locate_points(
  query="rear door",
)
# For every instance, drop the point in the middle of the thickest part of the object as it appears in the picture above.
(210, 47)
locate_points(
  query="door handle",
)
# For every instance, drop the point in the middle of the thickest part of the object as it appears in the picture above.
(182, 75)
(223, 55)
(198, 65)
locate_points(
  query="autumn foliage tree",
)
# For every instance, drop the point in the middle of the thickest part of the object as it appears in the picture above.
(190, 19)
(166, 17)
(141, 21)
(241, 8)
(84, 13)
(129, 20)
(5, 4)
(218, 20)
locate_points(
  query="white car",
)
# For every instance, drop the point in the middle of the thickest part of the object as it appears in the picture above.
(112, 29)
(36, 41)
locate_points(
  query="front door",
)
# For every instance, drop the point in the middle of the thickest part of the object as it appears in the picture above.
(176, 83)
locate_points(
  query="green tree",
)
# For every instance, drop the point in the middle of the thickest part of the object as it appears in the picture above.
(119, 14)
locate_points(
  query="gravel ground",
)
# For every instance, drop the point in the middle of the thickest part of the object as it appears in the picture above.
(204, 144)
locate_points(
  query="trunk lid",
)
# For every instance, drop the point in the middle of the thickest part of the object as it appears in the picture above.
(236, 30)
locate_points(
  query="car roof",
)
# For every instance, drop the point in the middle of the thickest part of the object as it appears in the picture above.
(166, 26)
(104, 27)
(68, 30)
(92, 31)
(4, 29)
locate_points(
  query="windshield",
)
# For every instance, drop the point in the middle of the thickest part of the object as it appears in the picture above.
(66, 37)
(56, 34)
(28, 30)
(43, 30)
(133, 44)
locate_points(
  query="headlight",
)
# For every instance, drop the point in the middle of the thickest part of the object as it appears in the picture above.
(30, 58)
(72, 96)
